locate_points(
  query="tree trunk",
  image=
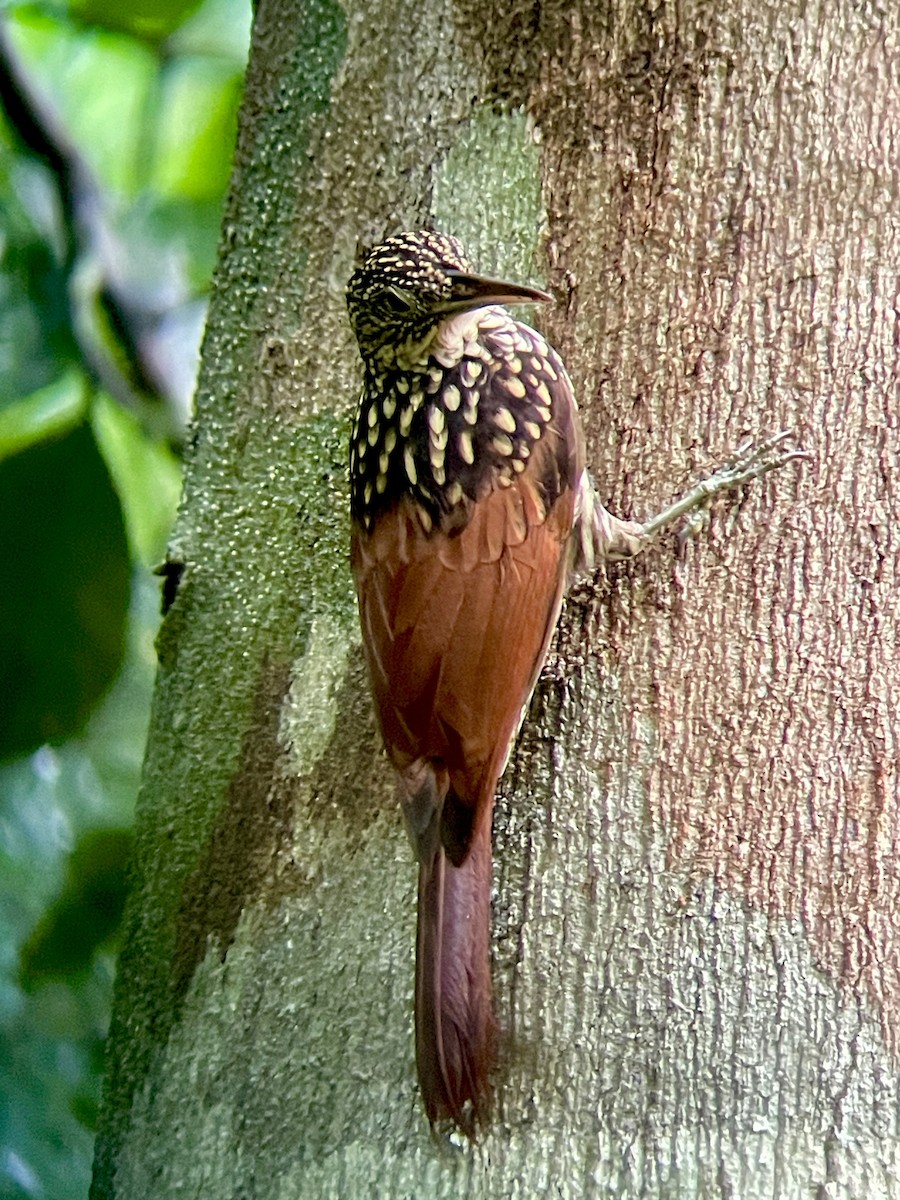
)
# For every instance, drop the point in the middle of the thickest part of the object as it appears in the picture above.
(696, 889)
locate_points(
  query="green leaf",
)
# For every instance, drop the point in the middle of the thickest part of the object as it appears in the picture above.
(36, 344)
(44, 414)
(151, 19)
(87, 912)
(197, 127)
(218, 27)
(64, 589)
(147, 477)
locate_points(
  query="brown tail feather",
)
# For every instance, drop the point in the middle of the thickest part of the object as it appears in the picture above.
(454, 1019)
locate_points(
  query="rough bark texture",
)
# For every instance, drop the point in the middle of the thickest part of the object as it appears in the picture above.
(696, 904)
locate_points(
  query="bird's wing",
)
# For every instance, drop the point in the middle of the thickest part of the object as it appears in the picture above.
(456, 626)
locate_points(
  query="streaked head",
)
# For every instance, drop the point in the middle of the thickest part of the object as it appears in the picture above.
(409, 284)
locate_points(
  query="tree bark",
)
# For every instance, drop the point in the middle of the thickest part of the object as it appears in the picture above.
(696, 960)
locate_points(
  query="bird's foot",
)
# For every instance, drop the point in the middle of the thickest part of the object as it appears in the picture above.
(603, 536)
(749, 461)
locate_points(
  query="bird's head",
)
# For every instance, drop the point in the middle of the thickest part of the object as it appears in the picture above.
(407, 286)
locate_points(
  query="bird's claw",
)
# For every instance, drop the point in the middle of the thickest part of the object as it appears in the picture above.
(750, 461)
(603, 536)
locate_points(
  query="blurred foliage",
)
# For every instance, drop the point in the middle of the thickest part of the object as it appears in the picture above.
(64, 608)
(143, 99)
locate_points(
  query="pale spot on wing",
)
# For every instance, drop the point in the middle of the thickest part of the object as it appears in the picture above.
(505, 420)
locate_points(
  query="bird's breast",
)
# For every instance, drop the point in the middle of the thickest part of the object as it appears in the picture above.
(496, 409)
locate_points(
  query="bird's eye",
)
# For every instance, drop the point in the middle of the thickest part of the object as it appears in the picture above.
(396, 301)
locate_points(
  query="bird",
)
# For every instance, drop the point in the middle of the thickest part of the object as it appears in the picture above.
(466, 463)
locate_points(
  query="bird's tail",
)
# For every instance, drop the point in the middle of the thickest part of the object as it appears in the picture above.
(455, 1029)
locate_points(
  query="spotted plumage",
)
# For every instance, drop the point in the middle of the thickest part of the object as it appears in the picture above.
(449, 438)
(465, 461)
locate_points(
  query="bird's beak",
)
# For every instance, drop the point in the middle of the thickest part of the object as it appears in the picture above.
(474, 291)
